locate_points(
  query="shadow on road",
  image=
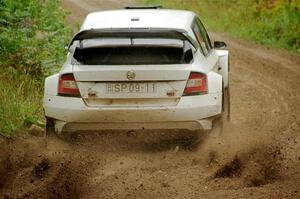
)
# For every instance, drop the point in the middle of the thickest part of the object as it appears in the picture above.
(143, 141)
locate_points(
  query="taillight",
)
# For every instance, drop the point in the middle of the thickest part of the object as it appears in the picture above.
(67, 86)
(196, 84)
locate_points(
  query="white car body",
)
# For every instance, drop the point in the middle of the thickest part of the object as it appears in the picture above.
(163, 108)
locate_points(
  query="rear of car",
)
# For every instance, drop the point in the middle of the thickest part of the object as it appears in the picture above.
(133, 79)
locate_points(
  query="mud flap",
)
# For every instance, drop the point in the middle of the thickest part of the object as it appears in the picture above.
(50, 128)
(220, 123)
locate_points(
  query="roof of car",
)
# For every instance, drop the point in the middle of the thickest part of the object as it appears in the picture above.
(139, 18)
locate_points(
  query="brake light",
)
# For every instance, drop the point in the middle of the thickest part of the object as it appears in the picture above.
(67, 86)
(196, 84)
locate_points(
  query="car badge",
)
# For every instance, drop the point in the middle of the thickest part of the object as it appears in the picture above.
(131, 75)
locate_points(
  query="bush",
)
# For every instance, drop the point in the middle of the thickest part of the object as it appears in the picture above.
(33, 35)
(20, 102)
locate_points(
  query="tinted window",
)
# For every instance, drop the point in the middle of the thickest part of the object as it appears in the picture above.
(138, 55)
(202, 37)
(205, 35)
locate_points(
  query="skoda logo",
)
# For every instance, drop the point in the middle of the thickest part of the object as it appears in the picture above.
(131, 75)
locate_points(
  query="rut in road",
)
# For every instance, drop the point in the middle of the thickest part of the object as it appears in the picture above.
(256, 156)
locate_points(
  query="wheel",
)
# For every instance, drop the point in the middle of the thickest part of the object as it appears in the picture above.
(225, 117)
(226, 104)
(50, 128)
(220, 122)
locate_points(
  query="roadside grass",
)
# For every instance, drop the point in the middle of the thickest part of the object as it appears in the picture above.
(274, 23)
(33, 35)
(20, 102)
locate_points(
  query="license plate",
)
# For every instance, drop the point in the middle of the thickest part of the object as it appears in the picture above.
(112, 88)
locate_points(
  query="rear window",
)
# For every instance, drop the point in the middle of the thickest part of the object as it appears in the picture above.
(133, 52)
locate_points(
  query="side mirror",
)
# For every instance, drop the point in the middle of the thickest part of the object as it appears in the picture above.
(67, 47)
(220, 44)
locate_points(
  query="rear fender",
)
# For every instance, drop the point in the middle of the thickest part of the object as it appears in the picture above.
(224, 66)
(51, 84)
(214, 82)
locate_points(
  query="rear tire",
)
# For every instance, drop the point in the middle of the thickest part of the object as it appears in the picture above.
(220, 122)
(226, 104)
(50, 128)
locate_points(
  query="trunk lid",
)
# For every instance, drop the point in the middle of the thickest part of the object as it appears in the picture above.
(132, 67)
(152, 85)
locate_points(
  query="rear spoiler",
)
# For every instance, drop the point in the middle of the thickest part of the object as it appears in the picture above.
(134, 33)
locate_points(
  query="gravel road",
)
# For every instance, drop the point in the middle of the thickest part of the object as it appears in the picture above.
(256, 156)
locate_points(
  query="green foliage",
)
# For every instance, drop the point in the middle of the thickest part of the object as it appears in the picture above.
(20, 101)
(33, 36)
(273, 23)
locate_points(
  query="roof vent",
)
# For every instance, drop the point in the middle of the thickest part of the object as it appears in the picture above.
(142, 7)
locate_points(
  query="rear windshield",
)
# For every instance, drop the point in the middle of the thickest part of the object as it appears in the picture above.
(133, 52)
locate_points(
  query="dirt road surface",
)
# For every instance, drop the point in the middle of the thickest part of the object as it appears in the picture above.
(257, 155)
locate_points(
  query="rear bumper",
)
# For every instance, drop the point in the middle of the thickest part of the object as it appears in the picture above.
(191, 112)
(61, 126)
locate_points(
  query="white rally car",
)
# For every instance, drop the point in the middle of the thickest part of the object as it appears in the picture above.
(139, 68)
